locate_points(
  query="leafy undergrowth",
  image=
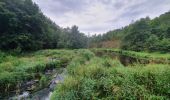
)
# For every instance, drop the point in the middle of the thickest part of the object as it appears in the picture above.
(18, 69)
(94, 78)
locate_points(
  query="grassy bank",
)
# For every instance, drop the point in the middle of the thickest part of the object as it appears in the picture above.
(156, 57)
(93, 78)
(18, 69)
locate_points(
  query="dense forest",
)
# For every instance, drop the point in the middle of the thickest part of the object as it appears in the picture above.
(142, 35)
(23, 27)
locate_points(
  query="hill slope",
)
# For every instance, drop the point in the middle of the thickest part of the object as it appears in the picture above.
(24, 27)
(142, 35)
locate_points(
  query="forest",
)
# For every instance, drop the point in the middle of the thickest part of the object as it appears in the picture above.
(143, 35)
(40, 60)
(25, 28)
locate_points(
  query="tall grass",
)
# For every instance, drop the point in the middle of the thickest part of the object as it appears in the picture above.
(18, 69)
(88, 76)
(104, 79)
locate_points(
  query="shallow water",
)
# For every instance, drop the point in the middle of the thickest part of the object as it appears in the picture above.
(45, 93)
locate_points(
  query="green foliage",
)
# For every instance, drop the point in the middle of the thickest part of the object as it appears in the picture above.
(156, 57)
(43, 81)
(2, 56)
(103, 78)
(25, 28)
(18, 69)
(72, 38)
(142, 35)
(88, 76)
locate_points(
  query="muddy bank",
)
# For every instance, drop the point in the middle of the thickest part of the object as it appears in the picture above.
(127, 59)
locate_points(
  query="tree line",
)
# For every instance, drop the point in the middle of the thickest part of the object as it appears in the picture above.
(23, 27)
(152, 35)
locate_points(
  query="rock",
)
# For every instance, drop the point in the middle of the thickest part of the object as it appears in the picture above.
(36, 81)
(57, 81)
(31, 88)
(23, 96)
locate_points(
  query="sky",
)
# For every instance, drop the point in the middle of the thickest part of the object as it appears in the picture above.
(100, 16)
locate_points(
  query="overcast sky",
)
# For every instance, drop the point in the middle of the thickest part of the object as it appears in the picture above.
(100, 16)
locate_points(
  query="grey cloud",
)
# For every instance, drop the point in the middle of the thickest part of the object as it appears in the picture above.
(98, 16)
(75, 5)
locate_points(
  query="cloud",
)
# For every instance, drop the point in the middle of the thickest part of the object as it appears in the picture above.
(100, 16)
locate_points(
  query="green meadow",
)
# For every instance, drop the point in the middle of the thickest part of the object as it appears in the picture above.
(88, 76)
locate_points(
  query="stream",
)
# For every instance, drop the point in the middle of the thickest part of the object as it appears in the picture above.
(130, 60)
(43, 94)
